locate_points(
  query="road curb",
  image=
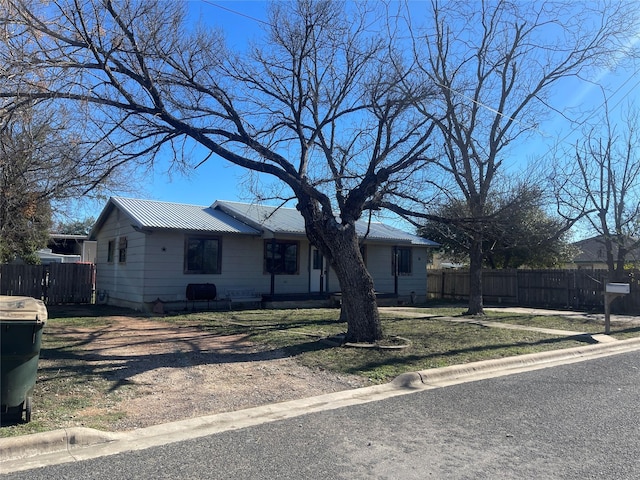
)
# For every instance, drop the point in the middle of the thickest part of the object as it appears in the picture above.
(483, 367)
(67, 441)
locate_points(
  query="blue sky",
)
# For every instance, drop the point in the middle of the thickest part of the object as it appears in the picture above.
(218, 179)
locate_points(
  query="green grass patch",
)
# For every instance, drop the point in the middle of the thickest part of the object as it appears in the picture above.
(557, 322)
(289, 329)
(570, 322)
(433, 343)
(67, 386)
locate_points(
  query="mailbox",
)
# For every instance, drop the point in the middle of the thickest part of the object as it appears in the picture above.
(622, 288)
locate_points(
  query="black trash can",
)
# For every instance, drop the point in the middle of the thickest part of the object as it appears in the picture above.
(22, 320)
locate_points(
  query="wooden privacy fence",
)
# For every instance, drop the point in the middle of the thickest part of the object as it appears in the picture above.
(55, 283)
(575, 289)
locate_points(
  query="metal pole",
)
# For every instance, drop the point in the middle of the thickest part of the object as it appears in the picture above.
(395, 270)
(607, 313)
(273, 270)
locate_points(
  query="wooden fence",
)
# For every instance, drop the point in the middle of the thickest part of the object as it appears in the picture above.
(574, 289)
(55, 283)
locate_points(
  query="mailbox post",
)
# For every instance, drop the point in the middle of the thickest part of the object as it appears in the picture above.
(611, 292)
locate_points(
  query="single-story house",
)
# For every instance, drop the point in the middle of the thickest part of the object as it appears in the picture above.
(151, 252)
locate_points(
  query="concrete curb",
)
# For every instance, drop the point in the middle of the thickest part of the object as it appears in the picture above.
(19, 453)
(66, 439)
(437, 375)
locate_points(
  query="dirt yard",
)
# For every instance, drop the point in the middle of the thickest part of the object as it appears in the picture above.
(178, 373)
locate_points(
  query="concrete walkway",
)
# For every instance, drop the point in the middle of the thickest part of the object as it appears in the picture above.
(628, 321)
(631, 320)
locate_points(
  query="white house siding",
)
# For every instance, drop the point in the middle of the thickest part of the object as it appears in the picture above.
(288, 284)
(378, 260)
(155, 266)
(417, 281)
(380, 266)
(120, 283)
(164, 267)
(241, 266)
(242, 263)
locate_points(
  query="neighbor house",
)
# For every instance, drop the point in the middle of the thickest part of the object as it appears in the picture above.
(63, 248)
(151, 252)
(592, 254)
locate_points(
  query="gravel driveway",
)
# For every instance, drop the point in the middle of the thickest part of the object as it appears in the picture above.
(182, 372)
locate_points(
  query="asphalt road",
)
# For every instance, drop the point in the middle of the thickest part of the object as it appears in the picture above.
(576, 421)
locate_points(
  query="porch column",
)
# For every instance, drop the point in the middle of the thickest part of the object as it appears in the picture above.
(273, 274)
(395, 270)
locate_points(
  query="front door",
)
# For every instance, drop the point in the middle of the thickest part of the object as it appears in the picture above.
(316, 282)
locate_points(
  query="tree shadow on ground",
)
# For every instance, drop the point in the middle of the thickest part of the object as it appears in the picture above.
(451, 354)
(77, 360)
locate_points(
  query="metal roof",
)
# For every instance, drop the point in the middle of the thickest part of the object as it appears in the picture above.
(274, 219)
(285, 220)
(156, 215)
(383, 232)
(236, 217)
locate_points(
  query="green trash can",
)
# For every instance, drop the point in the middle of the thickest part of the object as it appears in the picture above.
(22, 320)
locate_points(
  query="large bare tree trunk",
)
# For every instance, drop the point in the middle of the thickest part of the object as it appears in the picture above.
(475, 276)
(359, 306)
(338, 242)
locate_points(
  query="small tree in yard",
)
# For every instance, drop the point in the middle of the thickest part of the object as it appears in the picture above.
(324, 106)
(517, 231)
(25, 212)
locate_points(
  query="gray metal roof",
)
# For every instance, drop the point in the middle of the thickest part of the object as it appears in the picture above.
(383, 232)
(273, 219)
(236, 217)
(289, 221)
(155, 215)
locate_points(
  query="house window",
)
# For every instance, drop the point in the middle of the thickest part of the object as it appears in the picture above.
(111, 250)
(281, 257)
(402, 261)
(202, 255)
(122, 250)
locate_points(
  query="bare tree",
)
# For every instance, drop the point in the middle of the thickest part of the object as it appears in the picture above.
(320, 106)
(605, 181)
(495, 65)
(46, 160)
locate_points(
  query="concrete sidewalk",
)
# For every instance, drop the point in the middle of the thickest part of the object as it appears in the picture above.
(628, 321)
(631, 320)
